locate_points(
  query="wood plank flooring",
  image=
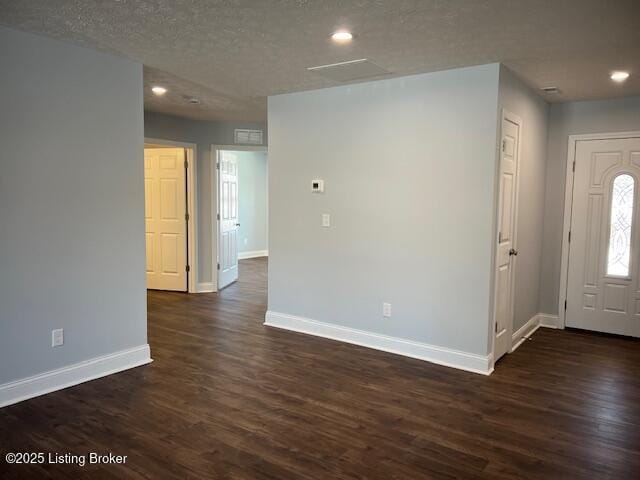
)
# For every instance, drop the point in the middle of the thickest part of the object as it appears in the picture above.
(227, 398)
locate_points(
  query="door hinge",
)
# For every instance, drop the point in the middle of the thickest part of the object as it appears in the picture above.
(218, 216)
(186, 164)
(569, 236)
(218, 266)
(504, 145)
(574, 166)
(188, 268)
(496, 324)
(186, 217)
(217, 165)
(565, 304)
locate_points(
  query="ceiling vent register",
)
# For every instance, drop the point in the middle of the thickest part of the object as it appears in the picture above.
(349, 71)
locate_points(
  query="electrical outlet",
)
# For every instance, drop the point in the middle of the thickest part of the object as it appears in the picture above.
(57, 337)
(317, 186)
(386, 310)
(326, 220)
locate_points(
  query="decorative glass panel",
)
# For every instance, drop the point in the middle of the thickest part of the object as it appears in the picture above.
(620, 233)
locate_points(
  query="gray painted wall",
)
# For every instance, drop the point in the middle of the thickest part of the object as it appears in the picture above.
(204, 134)
(519, 99)
(252, 188)
(409, 167)
(603, 116)
(71, 204)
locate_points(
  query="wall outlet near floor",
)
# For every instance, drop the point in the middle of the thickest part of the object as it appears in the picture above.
(57, 337)
(326, 220)
(317, 186)
(386, 310)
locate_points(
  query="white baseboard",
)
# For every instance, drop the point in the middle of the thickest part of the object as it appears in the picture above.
(525, 332)
(535, 322)
(205, 287)
(19, 390)
(431, 353)
(549, 321)
(254, 254)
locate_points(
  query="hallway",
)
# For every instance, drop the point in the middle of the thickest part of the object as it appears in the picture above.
(227, 397)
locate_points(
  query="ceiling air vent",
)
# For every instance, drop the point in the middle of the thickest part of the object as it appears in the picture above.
(252, 137)
(348, 71)
(550, 90)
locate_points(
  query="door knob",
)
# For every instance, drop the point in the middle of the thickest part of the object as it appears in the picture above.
(513, 252)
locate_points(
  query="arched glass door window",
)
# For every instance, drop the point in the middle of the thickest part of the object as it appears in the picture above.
(622, 196)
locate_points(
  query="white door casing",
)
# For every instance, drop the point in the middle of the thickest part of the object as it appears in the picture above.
(506, 242)
(228, 212)
(165, 218)
(603, 291)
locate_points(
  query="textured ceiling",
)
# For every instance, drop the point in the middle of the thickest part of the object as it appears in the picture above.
(232, 54)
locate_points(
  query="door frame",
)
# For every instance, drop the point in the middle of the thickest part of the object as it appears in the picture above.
(192, 207)
(568, 210)
(512, 117)
(215, 179)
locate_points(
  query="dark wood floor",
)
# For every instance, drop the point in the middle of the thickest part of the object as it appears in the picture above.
(227, 398)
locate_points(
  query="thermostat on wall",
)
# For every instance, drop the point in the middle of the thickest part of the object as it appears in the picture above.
(317, 186)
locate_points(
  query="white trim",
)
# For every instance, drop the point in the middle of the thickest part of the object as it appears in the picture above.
(539, 320)
(192, 225)
(549, 321)
(215, 223)
(512, 117)
(524, 332)
(206, 287)
(470, 362)
(240, 147)
(192, 206)
(253, 254)
(23, 389)
(215, 212)
(568, 207)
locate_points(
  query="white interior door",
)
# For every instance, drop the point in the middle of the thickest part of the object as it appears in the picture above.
(165, 218)
(506, 251)
(602, 283)
(228, 214)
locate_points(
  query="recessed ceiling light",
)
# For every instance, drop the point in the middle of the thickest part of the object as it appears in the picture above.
(342, 36)
(619, 76)
(159, 90)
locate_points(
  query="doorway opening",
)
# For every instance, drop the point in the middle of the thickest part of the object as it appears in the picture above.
(242, 208)
(170, 213)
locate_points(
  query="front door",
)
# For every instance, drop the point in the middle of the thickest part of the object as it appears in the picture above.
(603, 292)
(506, 252)
(228, 214)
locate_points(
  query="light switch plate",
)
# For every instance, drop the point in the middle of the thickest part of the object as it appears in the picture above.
(326, 220)
(386, 310)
